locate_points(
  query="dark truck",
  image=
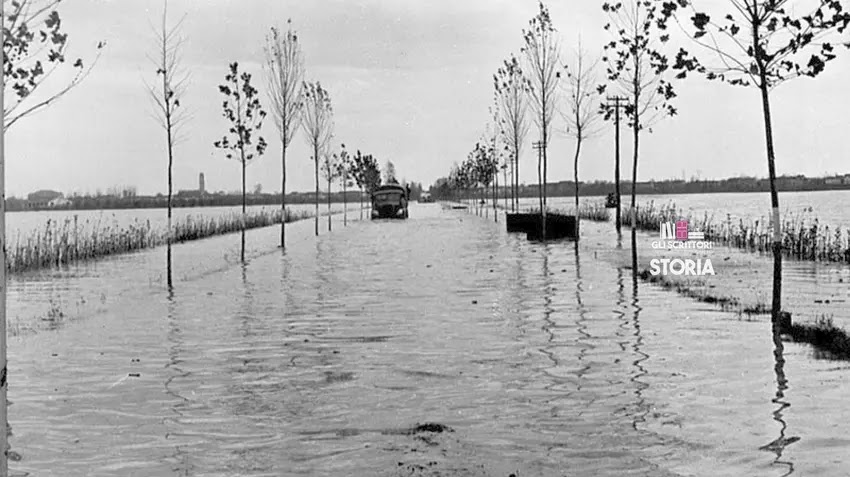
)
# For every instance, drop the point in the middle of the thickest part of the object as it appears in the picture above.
(389, 202)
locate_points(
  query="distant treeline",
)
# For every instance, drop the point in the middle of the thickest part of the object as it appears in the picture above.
(197, 200)
(441, 189)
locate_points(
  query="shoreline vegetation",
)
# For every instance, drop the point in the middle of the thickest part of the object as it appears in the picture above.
(441, 189)
(829, 340)
(70, 241)
(802, 239)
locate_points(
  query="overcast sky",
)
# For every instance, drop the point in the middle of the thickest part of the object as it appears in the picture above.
(410, 81)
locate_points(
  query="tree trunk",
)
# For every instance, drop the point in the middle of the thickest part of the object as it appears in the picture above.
(575, 178)
(505, 186)
(636, 144)
(540, 187)
(495, 191)
(283, 196)
(545, 194)
(242, 255)
(329, 201)
(4, 436)
(618, 218)
(515, 183)
(169, 232)
(776, 306)
(316, 160)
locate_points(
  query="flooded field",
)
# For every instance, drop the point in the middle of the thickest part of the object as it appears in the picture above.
(439, 345)
(822, 205)
(23, 223)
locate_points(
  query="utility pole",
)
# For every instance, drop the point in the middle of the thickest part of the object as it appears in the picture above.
(505, 186)
(539, 146)
(4, 418)
(617, 100)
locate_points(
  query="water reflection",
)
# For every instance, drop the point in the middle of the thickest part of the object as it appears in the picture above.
(169, 281)
(242, 233)
(174, 336)
(584, 339)
(547, 302)
(778, 445)
(244, 378)
(642, 409)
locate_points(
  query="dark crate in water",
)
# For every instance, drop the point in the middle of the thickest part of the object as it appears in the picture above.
(517, 222)
(558, 226)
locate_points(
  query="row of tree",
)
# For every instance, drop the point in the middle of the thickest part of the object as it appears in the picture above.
(753, 43)
(536, 82)
(295, 103)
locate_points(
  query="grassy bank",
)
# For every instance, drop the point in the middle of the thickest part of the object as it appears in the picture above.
(803, 237)
(593, 210)
(830, 340)
(72, 241)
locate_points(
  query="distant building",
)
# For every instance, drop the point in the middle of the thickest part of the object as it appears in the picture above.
(59, 202)
(194, 194)
(188, 194)
(42, 198)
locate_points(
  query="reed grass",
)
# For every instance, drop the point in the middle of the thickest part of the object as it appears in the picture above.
(828, 339)
(831, 340)
(594, 211)
(803, 237)
(71, 241)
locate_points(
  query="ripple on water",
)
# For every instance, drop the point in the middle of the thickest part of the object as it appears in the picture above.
(321, 360)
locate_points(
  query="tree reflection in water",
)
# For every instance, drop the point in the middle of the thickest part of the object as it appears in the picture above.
(642, 409)
(777, 446)
(581, 322)
(175, 348)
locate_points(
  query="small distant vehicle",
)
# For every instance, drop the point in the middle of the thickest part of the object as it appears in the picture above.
(425, 197)
(389, 202)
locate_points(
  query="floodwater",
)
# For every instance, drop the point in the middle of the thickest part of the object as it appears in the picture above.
(322, 360)
(825, 206)
(23, 223)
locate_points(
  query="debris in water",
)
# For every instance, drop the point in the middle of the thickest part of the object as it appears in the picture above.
(429, 427)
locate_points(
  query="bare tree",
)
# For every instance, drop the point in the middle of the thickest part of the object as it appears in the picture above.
(512, 90)
(581, 115)
(241, 106)
(637, 68)
(285, 76)
(33, 48)
(764, 44)
(389, 173)
(166, 97)
(542, 53)
(345, 172)
(493, 132)
(357, 171)
(317, 121)
(329, 172)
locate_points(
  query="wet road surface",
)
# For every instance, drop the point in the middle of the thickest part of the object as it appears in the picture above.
(537, 359)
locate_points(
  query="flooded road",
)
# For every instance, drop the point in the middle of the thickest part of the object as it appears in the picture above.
(531, 359)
